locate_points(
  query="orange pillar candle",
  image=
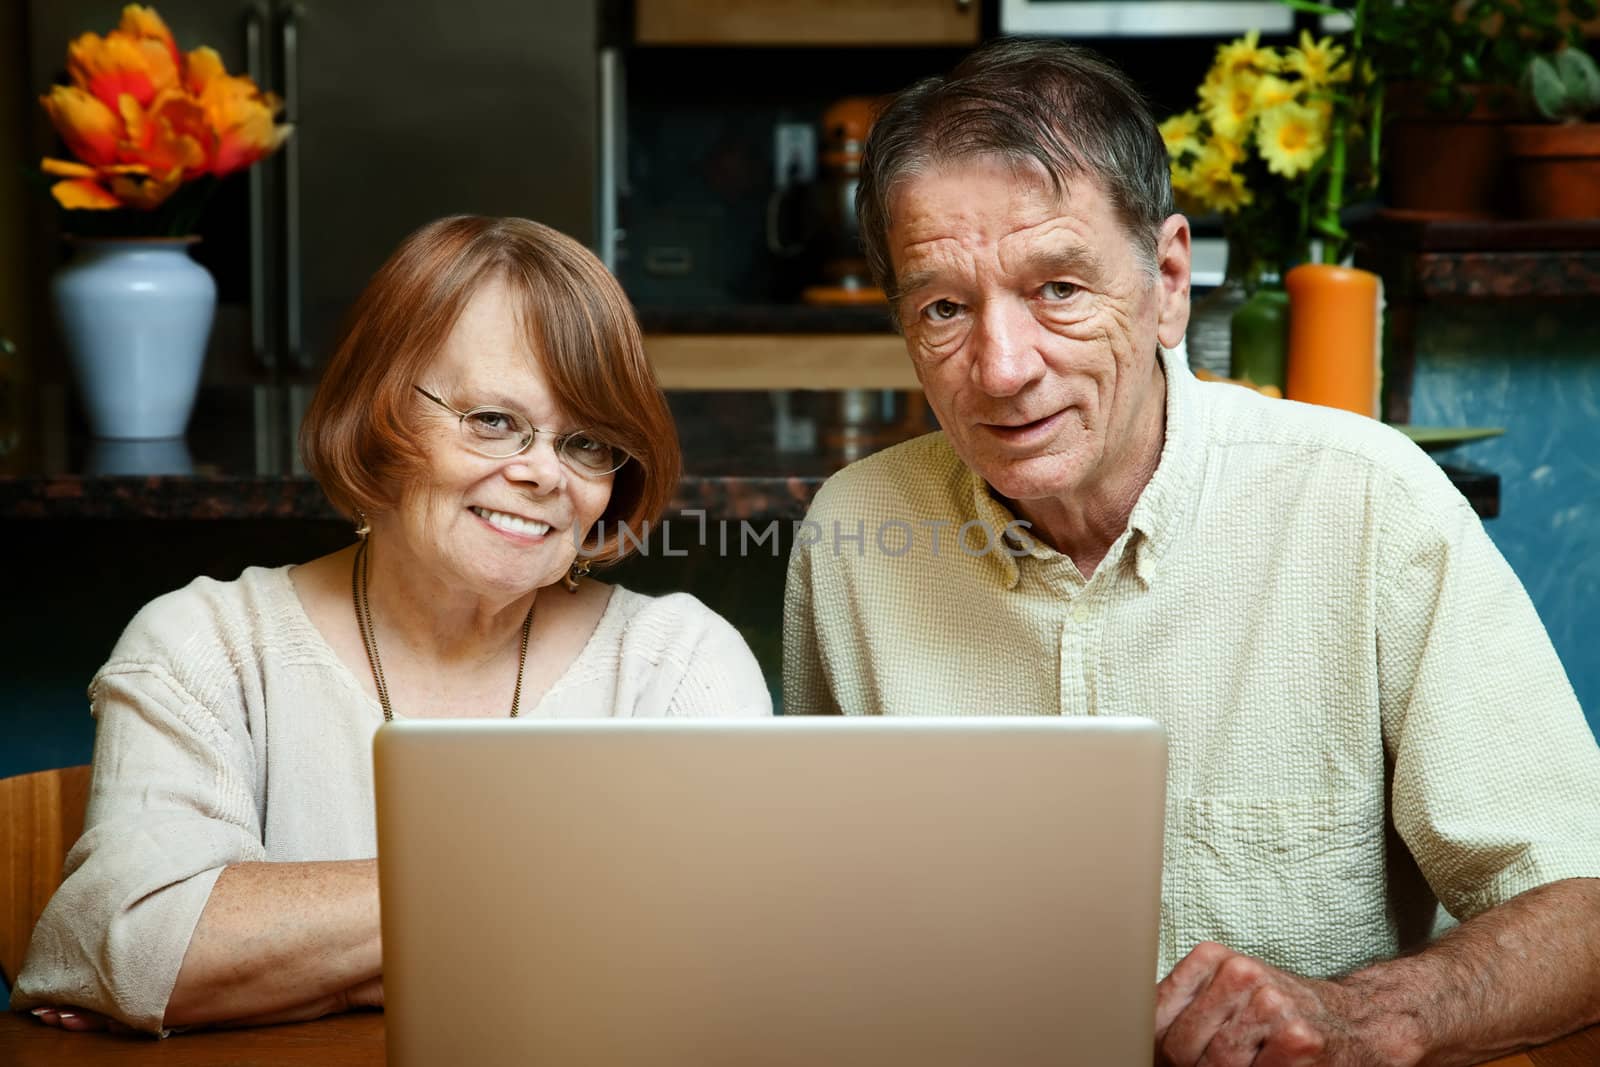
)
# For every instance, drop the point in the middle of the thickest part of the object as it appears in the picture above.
(1334, 336)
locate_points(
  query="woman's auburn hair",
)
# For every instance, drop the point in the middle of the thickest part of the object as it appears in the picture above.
(359, 437)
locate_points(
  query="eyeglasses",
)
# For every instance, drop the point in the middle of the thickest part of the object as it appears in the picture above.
(500, 434)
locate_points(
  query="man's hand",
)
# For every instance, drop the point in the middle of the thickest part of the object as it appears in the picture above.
(1221, 1009)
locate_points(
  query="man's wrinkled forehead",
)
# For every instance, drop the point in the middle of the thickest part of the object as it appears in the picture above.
(1078, 196)
(1027, 177)
(933, 217)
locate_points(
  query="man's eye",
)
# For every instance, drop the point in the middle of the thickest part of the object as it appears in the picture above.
(1054, 291)
(942, 310)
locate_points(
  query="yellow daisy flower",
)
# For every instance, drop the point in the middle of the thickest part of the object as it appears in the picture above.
(1292, 138)
(1222, 191)
(1215, 180)
(1230, 105)
(1224, 150)
(1183, 185)
(1243, 56)
(1318, 62)
(1181, 133)
(1272, 91)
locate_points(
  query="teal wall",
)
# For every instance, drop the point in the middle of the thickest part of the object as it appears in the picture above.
(1535, 370)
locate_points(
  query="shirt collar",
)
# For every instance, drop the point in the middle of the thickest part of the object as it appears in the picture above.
(1010, 540)
(1164, 507)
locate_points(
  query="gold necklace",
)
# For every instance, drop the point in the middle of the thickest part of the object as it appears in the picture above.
(369, 636)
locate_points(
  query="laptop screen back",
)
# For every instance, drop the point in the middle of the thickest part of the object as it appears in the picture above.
(934, 891)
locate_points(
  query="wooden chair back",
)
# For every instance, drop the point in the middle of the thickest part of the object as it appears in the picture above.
(41, 816)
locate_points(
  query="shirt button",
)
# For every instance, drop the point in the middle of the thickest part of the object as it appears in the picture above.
(1080, 613)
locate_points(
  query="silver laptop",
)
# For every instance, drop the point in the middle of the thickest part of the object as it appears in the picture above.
(805, 891)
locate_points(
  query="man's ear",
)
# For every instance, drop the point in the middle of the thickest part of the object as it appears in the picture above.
(1172, 261)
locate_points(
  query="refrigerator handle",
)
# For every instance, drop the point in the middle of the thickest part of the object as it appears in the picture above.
(613, 164)
(289, 39)
(255, 57)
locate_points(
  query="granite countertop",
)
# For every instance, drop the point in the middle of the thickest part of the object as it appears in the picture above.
(746, 455)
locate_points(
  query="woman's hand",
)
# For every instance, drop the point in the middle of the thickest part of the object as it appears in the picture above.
(77, 1019)
(368, 994)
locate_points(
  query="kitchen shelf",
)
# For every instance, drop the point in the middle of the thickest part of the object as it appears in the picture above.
(721, 361)
(1423, 259)
(806, 22)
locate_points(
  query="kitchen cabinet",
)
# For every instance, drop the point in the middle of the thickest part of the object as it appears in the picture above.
(806, 22)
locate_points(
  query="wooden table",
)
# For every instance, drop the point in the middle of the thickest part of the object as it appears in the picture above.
(357, 1041)
(347, 1040)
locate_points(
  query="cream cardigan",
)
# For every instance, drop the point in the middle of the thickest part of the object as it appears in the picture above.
(228, 731)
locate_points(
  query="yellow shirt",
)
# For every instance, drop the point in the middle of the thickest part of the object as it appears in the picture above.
(1342, 660)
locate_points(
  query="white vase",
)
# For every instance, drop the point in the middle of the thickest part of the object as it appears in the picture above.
(142, 457)
(135, 315)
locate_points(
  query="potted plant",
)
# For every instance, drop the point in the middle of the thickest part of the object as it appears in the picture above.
(1450, 70)
(1270, 145)
(150, 130)
(1557, 162)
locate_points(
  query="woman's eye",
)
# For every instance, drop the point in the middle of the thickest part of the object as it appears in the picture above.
(942, 310)
(582, 442)
(490, 422)
(1058, 290)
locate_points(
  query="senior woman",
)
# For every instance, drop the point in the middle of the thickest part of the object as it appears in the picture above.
(488, 404)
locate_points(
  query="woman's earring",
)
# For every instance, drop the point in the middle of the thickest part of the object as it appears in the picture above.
(365, 527)
(579, 569)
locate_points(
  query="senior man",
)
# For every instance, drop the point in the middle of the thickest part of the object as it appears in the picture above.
(1365, 716)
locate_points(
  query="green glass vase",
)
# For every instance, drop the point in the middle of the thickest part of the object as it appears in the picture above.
(1259, 339)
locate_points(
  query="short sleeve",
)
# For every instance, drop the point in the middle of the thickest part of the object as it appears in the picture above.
(170, 805)
(1496, 786)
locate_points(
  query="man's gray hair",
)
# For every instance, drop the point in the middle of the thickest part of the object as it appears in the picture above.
(1059, 106)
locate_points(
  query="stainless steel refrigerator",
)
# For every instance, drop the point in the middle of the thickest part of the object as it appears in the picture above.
(404, 111)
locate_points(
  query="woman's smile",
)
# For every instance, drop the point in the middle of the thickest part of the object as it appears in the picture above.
(513, 526)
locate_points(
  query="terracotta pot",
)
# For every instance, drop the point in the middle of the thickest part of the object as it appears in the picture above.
(1557, 167)
(1449, 165)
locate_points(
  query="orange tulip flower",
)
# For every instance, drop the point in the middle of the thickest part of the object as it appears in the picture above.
(142, 117)
(240, 114)
(143, 23)
(105, 188)
(118, 63)
(90, 128)
(82, 189)
(172, 132)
